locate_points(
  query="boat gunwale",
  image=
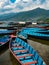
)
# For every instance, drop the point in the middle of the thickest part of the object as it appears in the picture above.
(5, 42)
(18, 58)
(14, 54)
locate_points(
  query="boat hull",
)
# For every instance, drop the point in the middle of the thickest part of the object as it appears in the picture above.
(4, 46)
(39, 37)
(8, 32)
(24, 54)
(36, 33)
(4, 42)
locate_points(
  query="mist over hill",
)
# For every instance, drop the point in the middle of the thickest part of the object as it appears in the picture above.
(26, 15)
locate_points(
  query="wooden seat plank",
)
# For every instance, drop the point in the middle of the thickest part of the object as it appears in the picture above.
(28, 63)
(24, 56)
(21, 50)
(17, 46)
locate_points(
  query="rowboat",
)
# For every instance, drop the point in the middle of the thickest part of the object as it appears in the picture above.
(35, 32)
(4, 41)
(28, 30)
(24, 53)
(6, 26)
(44, 26)
(23, 36)
(6, 32)
(39, 35)
(44, 31)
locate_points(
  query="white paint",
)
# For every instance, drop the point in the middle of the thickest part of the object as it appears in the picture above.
(21, 22)
(34, 23)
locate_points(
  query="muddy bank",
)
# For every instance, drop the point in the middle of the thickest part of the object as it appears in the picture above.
(7, 59)
(42, 49)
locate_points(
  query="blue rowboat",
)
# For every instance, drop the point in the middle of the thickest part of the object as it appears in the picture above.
(44, 31)
(5, 31)
(26, 30)
(39, 35)
(43, 24)
(4, 41)
(22, 35)
(35, 32)
(24, 53)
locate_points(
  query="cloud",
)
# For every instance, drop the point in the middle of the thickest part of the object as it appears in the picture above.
(22, 5)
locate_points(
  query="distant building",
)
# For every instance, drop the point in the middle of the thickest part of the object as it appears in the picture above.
(22, 23)
(34, 23)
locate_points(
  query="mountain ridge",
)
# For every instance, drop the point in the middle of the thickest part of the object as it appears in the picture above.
(26, 15)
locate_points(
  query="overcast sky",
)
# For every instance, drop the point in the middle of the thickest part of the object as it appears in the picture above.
(7, 6)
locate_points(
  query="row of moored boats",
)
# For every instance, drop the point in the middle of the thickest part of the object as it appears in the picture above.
(22, 51)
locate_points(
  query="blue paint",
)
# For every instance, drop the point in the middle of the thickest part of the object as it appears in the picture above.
(12, 1)
(28, 58)
(36, 32)
(4, 40)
